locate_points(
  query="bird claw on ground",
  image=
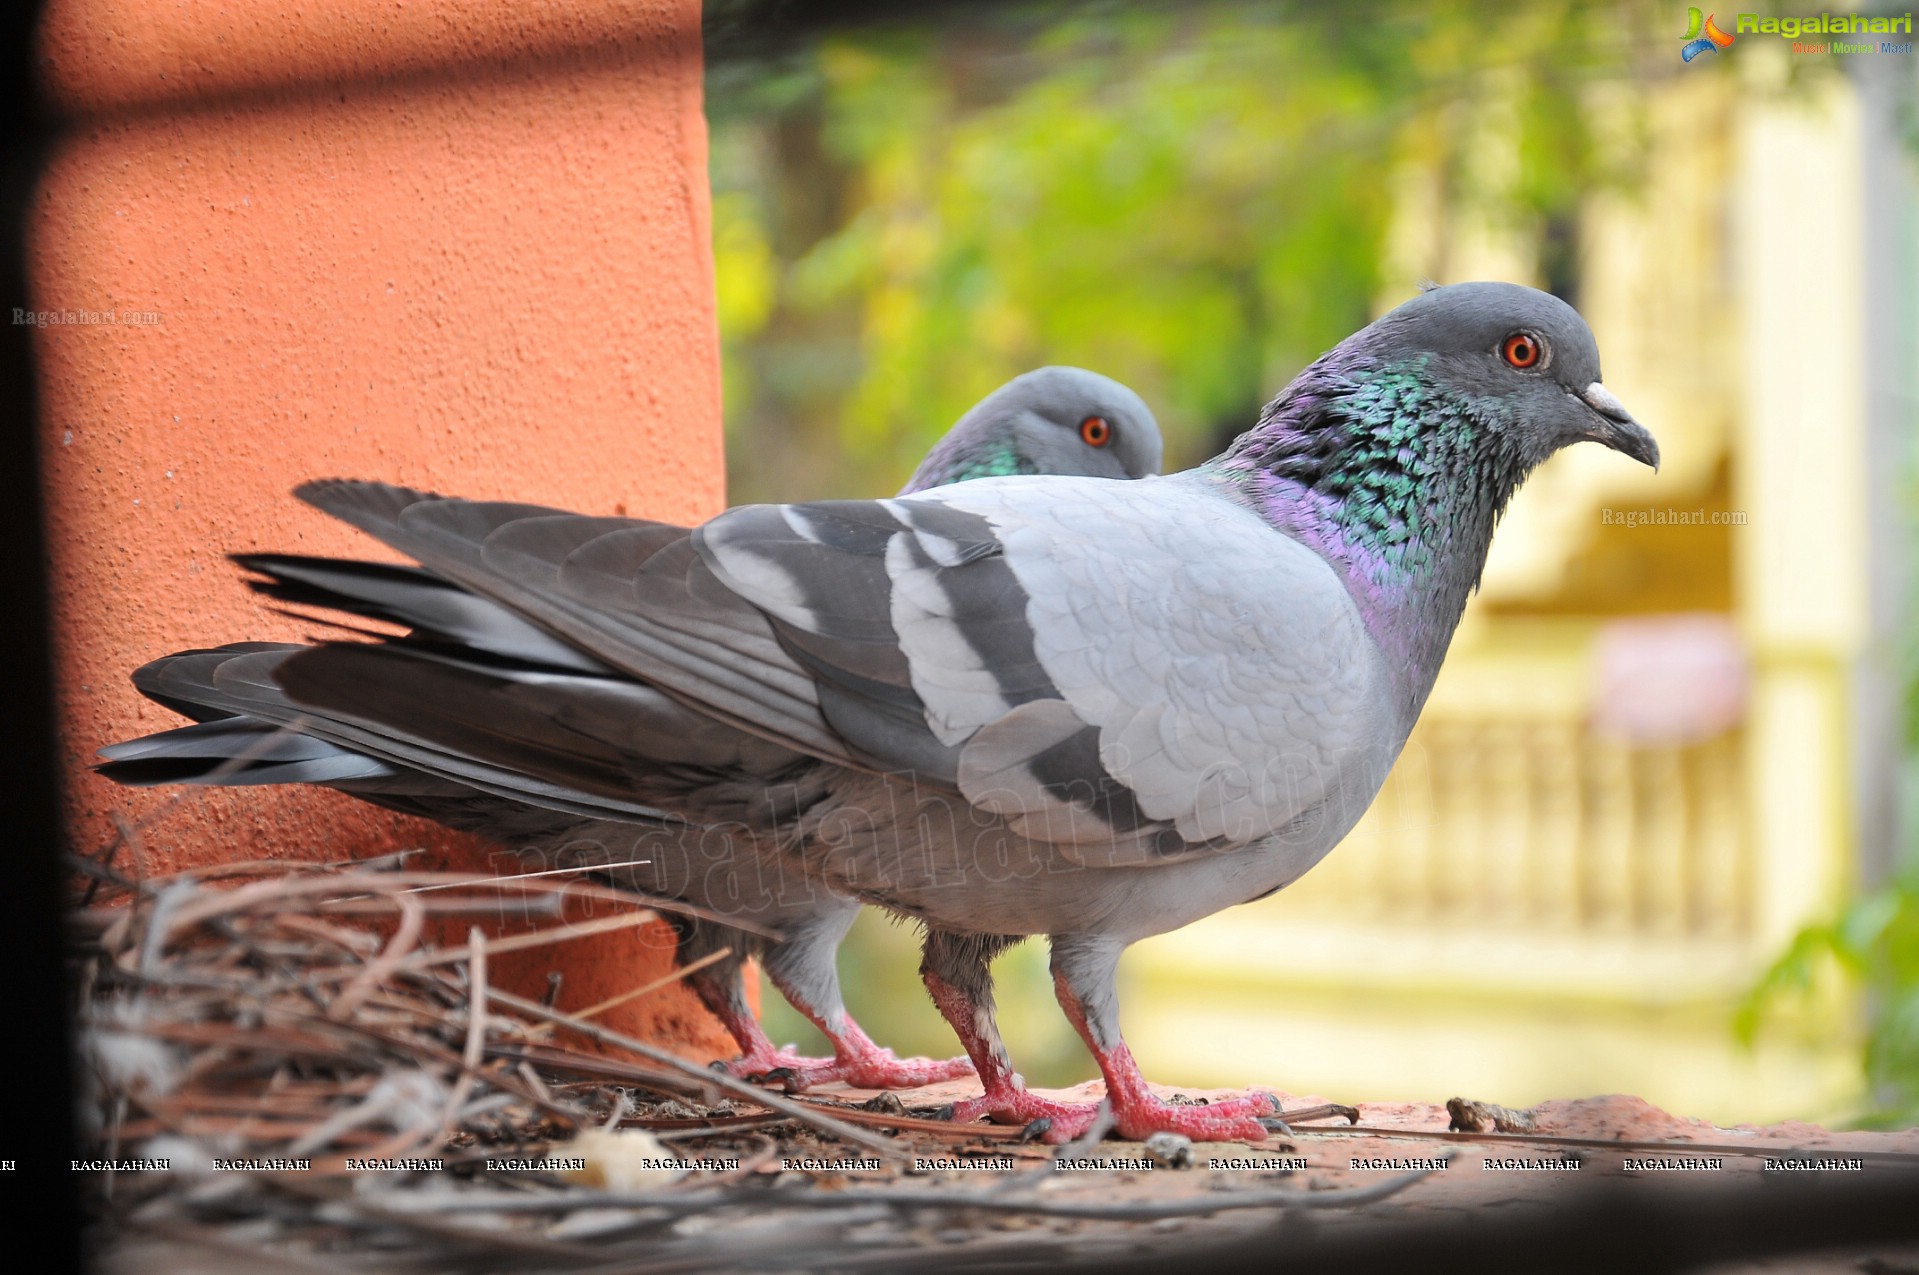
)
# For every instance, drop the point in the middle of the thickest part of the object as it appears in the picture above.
(1036, 1129)
(787, 1078)
(1064, 1121)
(1231, 1120)
(873, 1069)
(1273, 1124)
(881, 1070)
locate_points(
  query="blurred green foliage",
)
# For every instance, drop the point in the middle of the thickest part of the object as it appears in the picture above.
(1194, 198)
(1874, 942)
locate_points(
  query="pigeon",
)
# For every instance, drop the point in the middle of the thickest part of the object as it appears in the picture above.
(1009, 707)
(1054, 420)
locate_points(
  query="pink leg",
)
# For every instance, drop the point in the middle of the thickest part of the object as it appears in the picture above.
(758, 1054)
(859, 1062)
(856, 1060)
(1006, 1100)
(1138, 1113)
(955, 973)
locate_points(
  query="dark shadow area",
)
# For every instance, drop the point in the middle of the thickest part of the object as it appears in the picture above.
(39, 1140)
(1644, 1227)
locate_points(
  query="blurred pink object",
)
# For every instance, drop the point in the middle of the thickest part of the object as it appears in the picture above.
(1669, 679)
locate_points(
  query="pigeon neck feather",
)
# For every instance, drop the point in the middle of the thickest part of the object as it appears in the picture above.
(1395, 484)
(958, 458)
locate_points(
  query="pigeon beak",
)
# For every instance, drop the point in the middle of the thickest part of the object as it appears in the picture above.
(1616, 428)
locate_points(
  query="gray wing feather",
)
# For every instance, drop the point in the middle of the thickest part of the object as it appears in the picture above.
(705, 643)
(242, 682)
(918, 631)
(606, 738)
(1225, 667)
(1130, 679)
(822, 575)
(619, 588)
(414, 597)
(273, 755)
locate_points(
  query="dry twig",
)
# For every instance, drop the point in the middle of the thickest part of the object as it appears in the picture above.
(268, 1013)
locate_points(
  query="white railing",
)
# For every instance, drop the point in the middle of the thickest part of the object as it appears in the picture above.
(1517, 824)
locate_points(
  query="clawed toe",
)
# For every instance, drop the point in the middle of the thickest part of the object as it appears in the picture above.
(1036, 1130)
(1248, 1119)
(881, 1070)
(1229, 1121)
(787, 1078)
(1041, 1119)
(777, 1067)
(878, 1069)
(1257, 1103)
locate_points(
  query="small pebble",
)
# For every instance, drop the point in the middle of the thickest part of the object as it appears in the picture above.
(1171, 1150)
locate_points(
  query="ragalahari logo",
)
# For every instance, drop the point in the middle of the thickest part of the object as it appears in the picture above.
(1702, 35)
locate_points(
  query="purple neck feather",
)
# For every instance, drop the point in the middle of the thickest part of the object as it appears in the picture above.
(1395, 485)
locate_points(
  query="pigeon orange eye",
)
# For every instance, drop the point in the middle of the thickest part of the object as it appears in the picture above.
(1095, 432)
(1522, 349)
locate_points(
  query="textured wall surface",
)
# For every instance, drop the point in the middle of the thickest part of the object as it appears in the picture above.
(454, 245)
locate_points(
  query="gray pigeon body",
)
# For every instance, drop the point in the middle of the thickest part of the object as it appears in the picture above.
(1059, 420)
(1014, 706)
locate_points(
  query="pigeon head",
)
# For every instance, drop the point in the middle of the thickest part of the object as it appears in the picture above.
(1523, 361)
(1056, 420)
(1394, 453)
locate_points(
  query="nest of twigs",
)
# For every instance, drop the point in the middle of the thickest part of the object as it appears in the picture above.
(328, 1089)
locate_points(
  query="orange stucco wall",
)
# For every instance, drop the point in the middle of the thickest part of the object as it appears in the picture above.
(453, 245)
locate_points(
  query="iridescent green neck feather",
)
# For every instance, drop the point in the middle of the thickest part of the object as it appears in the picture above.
(964, 454)
(1394, 483)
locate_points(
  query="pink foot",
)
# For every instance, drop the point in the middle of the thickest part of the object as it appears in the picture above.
(1231, 1120)
(762, 1062)
(872, 1068)
(856, 1061)
(879, 1069)
(1137, 1112)
(1065, 1120)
